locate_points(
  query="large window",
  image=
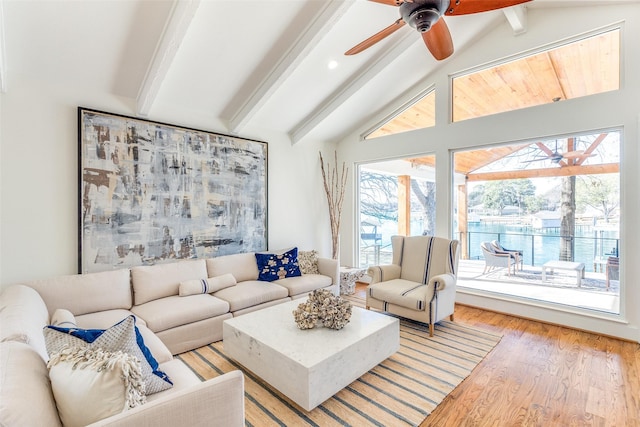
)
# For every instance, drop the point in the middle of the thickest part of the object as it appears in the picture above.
(395, 197)
(557, 202)
(580, 68)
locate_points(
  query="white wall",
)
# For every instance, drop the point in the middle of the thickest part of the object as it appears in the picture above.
(39, 190)
(613, 109)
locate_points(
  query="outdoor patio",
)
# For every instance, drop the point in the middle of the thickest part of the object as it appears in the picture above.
(559, 288)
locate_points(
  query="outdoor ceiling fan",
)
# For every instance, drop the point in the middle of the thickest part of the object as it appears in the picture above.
(556, 156)
(426, 17)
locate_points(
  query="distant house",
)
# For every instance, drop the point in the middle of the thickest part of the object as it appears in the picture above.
(545, 219)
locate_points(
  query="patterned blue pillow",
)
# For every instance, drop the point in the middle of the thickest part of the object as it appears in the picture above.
(278, 266)
(123, 336)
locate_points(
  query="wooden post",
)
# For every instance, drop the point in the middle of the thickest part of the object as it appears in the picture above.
(462, 221)
(404, 205)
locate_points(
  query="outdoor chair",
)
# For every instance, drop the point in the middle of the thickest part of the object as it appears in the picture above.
(495, 260)
(516, 254)
(420, 284)
(612, 269)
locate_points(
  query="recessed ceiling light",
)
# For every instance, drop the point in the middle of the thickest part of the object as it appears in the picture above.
(332, 64)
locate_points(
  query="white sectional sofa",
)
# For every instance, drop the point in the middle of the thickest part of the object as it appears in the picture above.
(168, 323)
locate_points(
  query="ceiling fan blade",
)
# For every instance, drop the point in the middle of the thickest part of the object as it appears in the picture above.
(466, 7)
(438, 40)
(540, 159)
(389, 2)
(376, 38)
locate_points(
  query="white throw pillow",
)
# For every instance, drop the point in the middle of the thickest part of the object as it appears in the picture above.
(63, 318)
(91, 384)
(206, 286)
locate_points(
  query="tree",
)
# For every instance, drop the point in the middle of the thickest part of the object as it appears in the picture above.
(379, 196)
(567, 217)
(476, 196)
(512, 192)
(427, 199)
(600, 192)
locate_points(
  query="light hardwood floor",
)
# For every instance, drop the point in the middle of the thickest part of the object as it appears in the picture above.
(543, 375)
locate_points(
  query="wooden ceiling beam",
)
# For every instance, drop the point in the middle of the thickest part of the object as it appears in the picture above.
(175, 30)
(549, 172)
(592, 148)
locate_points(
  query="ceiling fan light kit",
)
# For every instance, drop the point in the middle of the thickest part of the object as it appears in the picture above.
(423, 15)
(426, 17)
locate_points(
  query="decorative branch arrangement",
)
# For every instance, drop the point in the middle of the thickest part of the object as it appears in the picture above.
(334, 186)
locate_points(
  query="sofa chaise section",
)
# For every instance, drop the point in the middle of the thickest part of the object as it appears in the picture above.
(26, 396)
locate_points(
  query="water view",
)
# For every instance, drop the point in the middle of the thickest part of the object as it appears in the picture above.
(591, 243)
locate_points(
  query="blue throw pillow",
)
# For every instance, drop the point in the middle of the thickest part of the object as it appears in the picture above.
(278, 266)
(123, 336)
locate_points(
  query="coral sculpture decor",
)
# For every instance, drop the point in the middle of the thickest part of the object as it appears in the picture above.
(323, 308)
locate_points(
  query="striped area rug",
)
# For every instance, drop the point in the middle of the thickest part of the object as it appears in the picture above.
(402, 390)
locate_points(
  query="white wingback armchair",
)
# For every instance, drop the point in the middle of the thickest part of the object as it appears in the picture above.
(420, 284)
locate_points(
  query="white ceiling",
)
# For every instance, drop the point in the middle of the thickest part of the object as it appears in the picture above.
(240, 64)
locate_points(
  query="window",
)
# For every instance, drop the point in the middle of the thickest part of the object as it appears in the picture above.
(552, 200)
(395, 197)
(418, 115)
(583, 67)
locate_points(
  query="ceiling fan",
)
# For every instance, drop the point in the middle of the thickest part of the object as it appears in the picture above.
(556, 156)
(426, 17)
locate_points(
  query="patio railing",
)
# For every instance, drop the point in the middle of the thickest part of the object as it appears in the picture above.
(537, 248)
(540, 248)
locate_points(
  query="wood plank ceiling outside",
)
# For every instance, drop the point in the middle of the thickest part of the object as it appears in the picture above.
(577, 69)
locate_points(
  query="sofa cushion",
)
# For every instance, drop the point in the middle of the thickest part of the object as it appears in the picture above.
(23, 314)
(304, 283)
(206, 286)
(242, 266)
(151, 282)
(90, 384)
(308, 262)
(105, 319)
(404, 293)
(91, 292)
(169, 312)
(123, 336)
(252, 292)
(277, 266)
(182, 376)
(25, 395)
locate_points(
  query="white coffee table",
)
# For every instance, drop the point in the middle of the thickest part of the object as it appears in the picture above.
(309, 366)
(578, 267)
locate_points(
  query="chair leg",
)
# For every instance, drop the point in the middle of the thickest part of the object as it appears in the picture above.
(431, 329)
(367, 307)
(451, 317)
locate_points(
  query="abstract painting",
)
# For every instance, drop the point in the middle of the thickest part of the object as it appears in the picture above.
(152, 192)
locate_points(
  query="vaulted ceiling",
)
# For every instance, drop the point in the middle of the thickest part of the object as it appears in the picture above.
(236, 66)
